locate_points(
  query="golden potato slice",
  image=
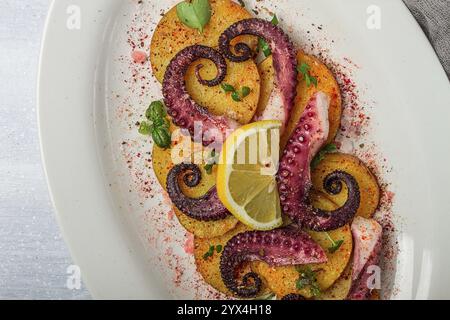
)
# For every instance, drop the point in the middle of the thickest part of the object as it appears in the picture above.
(326, 83)
(210, 268)
(171, 36)
(340, 289)
(219, 102)
(368, 185)
(282, 280)
(162, 163)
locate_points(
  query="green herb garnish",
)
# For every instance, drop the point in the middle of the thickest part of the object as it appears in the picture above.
(275, 20)
(236, 97)
(156, 111)
(242, 3)
(209, 253)
(262, 44)
(235, 94)
(304, 69)
(308, 278)
(213, 159)
(157, 126)
(227, 87)
(329, 148)
(145, 128)
(245, 91)
(194, 14)
(335, 245)
(264, 47)
(211, 250)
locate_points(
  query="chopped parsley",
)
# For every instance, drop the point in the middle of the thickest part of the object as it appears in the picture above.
(308, 278)
(211, 251)
(262, 44)
(236, 95)
(335, 245)
(213, 159)
(304, 69)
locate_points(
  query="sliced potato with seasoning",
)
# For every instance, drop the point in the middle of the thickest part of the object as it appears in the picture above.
(340, 289)
(368, 185)
(171, 35)
(219, 102)
(209, 266)
(283, 280)
(162, 163)
(326, 83)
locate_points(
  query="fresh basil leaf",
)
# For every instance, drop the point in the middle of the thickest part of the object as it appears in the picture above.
(219, 248)
(195, 14)
(155, 111)
(161, 137)
(145, 128)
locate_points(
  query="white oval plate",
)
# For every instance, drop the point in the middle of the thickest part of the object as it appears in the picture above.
(119, 228)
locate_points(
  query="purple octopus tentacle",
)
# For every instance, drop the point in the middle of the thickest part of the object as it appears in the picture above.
(294, 175)
(321, 220)
(205, 208)
(283, 52)
(185, 112)
(367, 235)
(279, 247)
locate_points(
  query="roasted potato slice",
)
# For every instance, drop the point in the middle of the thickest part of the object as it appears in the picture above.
(162, 163)
(171, 36)
(209, 267)
(219, 102)
(368, 185)
(340, 289)
(282, 280)
(326, 83)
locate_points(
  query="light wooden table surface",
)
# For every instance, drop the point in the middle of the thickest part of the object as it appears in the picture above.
(33, 256)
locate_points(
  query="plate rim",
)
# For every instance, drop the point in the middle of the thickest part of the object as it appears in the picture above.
(45, 153)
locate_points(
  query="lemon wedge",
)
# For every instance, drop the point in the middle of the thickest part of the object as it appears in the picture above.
(246, 176)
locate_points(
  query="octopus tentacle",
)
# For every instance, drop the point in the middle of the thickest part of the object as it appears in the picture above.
(284, 59)
(206, 208)
(185, 112)
(367, 235)
(279, 247)
(294, 175)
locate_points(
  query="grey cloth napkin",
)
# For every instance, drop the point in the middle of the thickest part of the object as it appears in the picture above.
(434, 18)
